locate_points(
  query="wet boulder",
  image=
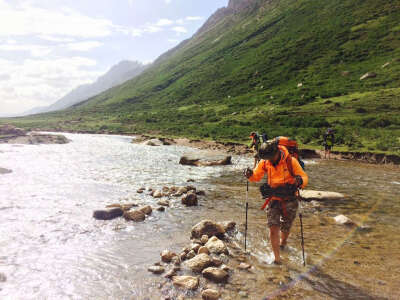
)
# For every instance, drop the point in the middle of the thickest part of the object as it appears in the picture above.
(157, 194)
(216, 275)
(186, 282)
(203, 249)
(199, 262)
(136, 216)
(210, 294)
(190, 200)
(204, 239)
(11, 130)
(156, 269)
(153, 142)
(216, 246)
(228, 225)
(108, 214)
(167, 256)
(147, 210)
(207, 227)
(160, 208)
(4, 171)
(343, 220)
(163, 203)
(205, 158)
(309, 195)
(124, 207)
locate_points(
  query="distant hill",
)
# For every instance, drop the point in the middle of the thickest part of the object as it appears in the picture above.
(118, 74)
(287, 67)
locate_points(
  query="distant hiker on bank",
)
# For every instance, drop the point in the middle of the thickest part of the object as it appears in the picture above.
(255, 145)
(329, 140)
(284, 177)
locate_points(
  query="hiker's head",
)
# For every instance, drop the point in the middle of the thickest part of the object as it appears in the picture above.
(268, 150)
(252, 134)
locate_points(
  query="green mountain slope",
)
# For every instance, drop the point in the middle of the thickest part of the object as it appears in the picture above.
(289, 67)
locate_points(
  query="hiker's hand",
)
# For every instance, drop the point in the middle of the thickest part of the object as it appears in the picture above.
(299, 181)
(248, 173)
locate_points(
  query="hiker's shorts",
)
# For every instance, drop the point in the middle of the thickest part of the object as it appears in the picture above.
(275, 215)
(328, 147)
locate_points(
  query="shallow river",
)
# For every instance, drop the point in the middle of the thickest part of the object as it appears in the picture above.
(52, 248)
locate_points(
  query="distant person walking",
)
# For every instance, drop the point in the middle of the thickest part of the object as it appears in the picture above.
(255, 145)
(284, 177)
(329, 140)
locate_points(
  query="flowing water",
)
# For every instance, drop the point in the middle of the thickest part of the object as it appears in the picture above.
(52, 248)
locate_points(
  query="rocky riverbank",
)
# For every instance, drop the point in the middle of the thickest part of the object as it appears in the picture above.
(13, 135)
(240, 149)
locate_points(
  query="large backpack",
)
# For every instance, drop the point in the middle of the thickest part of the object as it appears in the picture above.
(292, 146)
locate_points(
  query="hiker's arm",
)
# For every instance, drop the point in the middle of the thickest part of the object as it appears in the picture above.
(258, 172)
(298, 170)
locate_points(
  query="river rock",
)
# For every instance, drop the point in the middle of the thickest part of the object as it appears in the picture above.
(244, 266)
(190, 200)
(172, 272)
(204, 239)
(157, 194)
(163, 202)
(146, 210)
(205, 158)
(228, 225)
(207, 227)
(210, 294)
(195, 247)
(203, 249)
(343, 220)
(140, 191)
(215, 275)
(136, 216)
(309, 195)
(4, 171)
(199, 262)
(156, 269)
(216, 261)
(160, 208)
(186, 282)
(216, 246)
(167, 256)
(124, 207)
(368, 75)
(3, 278)
(108, 214)
(153, 142)
(191, 254)
(200, 193)
(11, 130)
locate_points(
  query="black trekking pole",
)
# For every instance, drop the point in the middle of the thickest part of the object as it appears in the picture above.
(247, 207)
(302, 236)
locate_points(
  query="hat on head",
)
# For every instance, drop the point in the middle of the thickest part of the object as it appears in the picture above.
(268, 149)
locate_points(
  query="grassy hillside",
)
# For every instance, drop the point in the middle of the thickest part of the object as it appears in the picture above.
(285, 67)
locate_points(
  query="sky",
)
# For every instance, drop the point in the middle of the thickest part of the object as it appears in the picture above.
(49, 47)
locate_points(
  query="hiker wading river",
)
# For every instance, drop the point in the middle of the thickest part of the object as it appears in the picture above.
(284, 177)
(52, 248)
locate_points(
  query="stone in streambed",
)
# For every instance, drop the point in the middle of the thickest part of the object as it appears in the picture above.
(3, 278)
(199, 262)
(186, 282)
(203, 249)
(205, 158)
(108, 214)
(210, 294)
(216, 246)
(136, 216)
(207, 227)
(156, 269)
(4, 171)
(216, 275)
(160, 208)
(163, 203)
(309, 195)
(190, 200)
(343, 220)
(157, 194)
(167, 256)
(147, 210)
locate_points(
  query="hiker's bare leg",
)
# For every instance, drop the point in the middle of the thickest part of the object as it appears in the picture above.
(274, 237)
(284, 237)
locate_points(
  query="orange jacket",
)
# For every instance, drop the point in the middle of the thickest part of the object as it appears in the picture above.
(279, 175)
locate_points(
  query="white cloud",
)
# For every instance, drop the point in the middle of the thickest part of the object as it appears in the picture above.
(29, 20)
(38, 82)
(83, 46)
(173, 41)
(58, 39)
(167, 1)
(34, 50)
(190, 18)
(179, 29)
(164, 22)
